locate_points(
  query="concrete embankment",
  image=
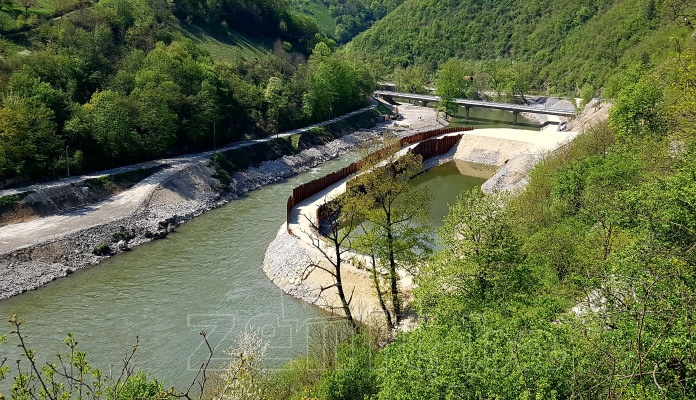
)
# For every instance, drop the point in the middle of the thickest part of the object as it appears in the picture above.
(287, 259)
(44, 249)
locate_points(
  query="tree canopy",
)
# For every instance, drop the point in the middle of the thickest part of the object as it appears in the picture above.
(569, 43)
(123, 82)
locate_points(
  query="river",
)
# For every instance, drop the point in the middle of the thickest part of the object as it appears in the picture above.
(207, 276)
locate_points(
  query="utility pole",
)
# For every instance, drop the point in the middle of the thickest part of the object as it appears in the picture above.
(214, 144)
(67, 160)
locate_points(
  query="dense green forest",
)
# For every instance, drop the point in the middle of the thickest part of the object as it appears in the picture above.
(567, 44)
(581, 286)
(123, 81)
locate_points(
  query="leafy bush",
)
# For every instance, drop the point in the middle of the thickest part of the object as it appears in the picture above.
(7, 202)
(355, 376)
(99, 182)
(295, 380)
(72, 376)
(122, 234)
(138, 387)
(102, 249)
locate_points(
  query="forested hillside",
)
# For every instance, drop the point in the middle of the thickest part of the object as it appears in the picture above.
(568, 43)
(122, 81)
(581, 285)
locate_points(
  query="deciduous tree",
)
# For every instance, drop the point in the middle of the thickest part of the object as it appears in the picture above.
(332, 238)
(28, 140)
(397, 217)
(480, 252)
(27, 4)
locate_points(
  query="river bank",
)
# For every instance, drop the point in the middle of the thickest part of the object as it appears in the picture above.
(513, 152)
(42, 250)
(289, 257)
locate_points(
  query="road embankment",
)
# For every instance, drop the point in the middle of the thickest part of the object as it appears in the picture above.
(38, 251)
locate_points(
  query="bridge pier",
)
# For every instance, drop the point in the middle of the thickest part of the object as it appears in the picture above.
(424, 103)
(466, 112)
(514, 117)
(388, 99)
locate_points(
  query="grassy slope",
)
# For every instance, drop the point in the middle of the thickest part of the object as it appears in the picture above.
(226, 45)
(222, 43)
(42, 7)
(14, 19)
(317, 10)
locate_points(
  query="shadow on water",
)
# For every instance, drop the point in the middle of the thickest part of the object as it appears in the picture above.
(495, 122)
(489, 118)
(447, 181)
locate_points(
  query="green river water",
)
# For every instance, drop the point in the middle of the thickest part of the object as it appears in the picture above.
(488, 118)
(206, 277)
(447, 181)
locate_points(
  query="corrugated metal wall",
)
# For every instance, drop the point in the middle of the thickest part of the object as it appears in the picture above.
(427, 149)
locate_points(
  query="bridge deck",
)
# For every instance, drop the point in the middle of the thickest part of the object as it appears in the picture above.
(516, 108)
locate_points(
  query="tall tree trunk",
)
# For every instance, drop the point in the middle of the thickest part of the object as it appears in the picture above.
(393, 275)
(345, 304)
(375, 279)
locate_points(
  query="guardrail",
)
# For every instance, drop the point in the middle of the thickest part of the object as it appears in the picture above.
(427, 148)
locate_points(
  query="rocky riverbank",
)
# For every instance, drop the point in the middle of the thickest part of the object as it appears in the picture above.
(166, 199)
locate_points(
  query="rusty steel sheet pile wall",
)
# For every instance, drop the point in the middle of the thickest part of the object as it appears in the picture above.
(419, 137)
(427, 148)
(435, 147)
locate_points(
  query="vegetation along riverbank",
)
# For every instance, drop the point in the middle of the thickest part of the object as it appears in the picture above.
(570, 274)
(44, 248)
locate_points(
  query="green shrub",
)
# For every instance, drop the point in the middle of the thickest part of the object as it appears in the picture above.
(100, 182)
(102, 249)
(297, 379)
(138, 387)
(355, 376)
(222, 165)
(122, 234)
(9, 201)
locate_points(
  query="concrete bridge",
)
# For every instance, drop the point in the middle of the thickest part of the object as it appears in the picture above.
(424, 99)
